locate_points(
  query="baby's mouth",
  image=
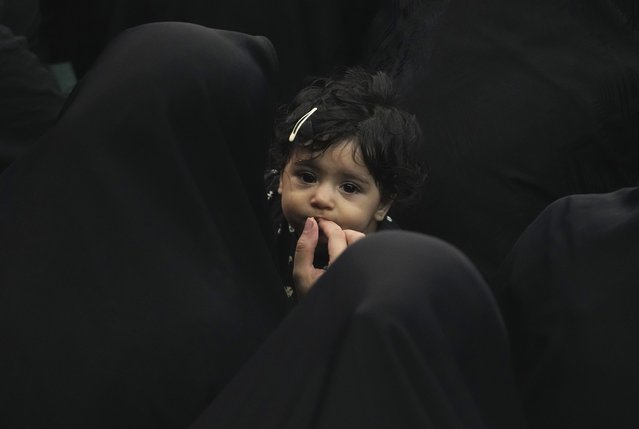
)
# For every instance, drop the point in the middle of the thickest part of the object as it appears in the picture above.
(322, 240)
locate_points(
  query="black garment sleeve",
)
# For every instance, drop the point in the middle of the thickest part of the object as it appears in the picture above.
(30, 98)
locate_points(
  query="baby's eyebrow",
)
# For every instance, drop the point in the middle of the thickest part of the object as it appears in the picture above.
(357, 177)
(348, 175)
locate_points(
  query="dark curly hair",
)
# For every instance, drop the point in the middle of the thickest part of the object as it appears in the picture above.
(359, 106)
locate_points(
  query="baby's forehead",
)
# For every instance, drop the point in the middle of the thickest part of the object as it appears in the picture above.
(343, 149)
(344, 159)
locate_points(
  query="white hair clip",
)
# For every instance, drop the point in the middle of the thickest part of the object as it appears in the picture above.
(299, 124)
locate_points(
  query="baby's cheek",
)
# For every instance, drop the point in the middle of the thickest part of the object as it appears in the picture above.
(286, 211)
(355, 226)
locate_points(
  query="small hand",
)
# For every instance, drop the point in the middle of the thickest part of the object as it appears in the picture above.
(304, 273)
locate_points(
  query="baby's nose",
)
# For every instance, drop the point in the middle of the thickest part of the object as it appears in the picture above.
(323, 197)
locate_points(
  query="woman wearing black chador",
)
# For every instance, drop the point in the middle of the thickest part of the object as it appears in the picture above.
(521, 102)
(138, 285)
(128, 296)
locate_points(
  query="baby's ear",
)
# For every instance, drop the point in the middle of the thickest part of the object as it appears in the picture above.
(279, 185)
(383, 208)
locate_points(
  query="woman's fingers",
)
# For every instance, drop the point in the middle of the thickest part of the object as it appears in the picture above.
(306, 244)
(352, 236)
(336, 239)
(304, 273)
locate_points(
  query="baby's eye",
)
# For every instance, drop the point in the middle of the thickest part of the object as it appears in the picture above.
(306, 176)
(350, 188)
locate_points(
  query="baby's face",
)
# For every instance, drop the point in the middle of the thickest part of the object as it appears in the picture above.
(336, 186)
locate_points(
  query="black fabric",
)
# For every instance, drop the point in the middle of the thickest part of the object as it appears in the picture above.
(569, 294)
(138, 271)
(401, 332)
(138, 274)
(136, 267)
(30, 99)
(521, 102)
(71, 28)
(22, 17)
(311, 38)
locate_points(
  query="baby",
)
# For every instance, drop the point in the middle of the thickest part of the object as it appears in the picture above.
(343, 154)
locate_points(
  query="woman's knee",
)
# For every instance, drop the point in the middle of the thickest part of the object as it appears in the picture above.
(403, 258)
(402, 271)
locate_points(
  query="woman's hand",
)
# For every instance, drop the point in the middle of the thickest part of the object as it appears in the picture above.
(305, 274)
